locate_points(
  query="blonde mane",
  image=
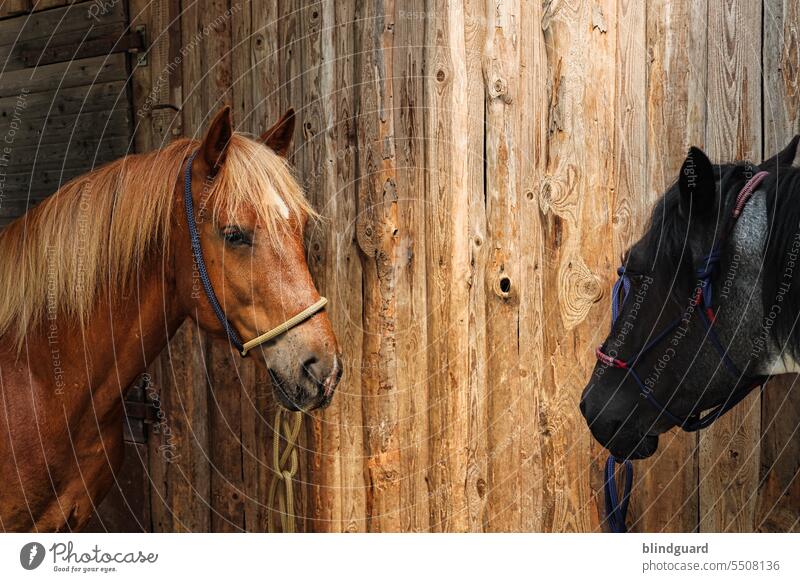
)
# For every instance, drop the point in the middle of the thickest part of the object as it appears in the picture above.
(95, 233)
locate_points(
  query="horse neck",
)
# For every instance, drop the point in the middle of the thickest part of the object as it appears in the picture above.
(120, 338)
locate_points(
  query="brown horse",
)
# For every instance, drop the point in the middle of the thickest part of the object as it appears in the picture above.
(96, 280)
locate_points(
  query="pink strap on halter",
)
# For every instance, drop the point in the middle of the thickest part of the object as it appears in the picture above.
(747, 191)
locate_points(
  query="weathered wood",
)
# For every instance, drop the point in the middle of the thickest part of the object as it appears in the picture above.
(14, 7)
(64, 75)
(127, 506)
(73, 100)
(729, 450)
(779, 479)
(377, 234)
(65, 128)
(78, 17)
(65, 46)
(338, 496)
(78, 152)
(573, 198)
(413, 374)
(501, 72)
(225, 431)
(454, 216)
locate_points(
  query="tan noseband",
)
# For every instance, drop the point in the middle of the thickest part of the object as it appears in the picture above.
(285, 326)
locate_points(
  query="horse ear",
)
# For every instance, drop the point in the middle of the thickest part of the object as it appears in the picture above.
(215, 143)
(787, 157)
(279, 137)
(697, 185)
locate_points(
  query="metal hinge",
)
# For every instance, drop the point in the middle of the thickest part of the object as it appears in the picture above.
(140, 411)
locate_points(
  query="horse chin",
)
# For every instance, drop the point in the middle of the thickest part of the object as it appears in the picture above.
(292, 396)
(642, 448)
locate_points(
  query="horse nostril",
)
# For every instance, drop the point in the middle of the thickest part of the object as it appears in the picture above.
(310, 368)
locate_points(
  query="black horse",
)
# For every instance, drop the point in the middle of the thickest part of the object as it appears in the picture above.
(707, 303)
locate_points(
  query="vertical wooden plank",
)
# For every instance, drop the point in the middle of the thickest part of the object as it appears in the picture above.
(152, 86)
(409, 75)
(377, 234)
(574, 199)
(630, 197)
(675, 119)
(264, 75)
(779, 481)
(729, 450)
(455, 218)
(253, 43)
(342, 495)
(501, 73)
(538, 494)
(225, 383)
(184, 450)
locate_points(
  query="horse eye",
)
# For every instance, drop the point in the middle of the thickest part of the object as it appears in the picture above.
(236, 237)
(636, 277)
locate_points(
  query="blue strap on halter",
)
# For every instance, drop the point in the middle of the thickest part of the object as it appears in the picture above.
(616, 508)
(623, 285)
(710, 263)
(197, 252)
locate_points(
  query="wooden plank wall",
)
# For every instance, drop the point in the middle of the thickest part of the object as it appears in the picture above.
(64, 107)
(480, 167)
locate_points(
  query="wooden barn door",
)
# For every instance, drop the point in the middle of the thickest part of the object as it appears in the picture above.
(64, 102)
(65, 108)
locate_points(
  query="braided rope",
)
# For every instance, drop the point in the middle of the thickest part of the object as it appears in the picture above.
(285, 326)
(284, 466)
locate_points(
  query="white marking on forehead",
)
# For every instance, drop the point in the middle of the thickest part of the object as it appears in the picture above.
(283, 208)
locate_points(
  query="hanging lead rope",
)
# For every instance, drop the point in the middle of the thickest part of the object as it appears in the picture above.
(284, 467)
(617, 509)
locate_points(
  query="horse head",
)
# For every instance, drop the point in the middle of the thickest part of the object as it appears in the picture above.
(701, 306)
(240, 262)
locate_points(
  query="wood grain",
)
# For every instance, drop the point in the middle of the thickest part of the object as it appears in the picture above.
(779, 476)
(729, 450)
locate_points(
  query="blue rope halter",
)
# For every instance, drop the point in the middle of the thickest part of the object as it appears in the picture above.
(197, 251)
(617, 509)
